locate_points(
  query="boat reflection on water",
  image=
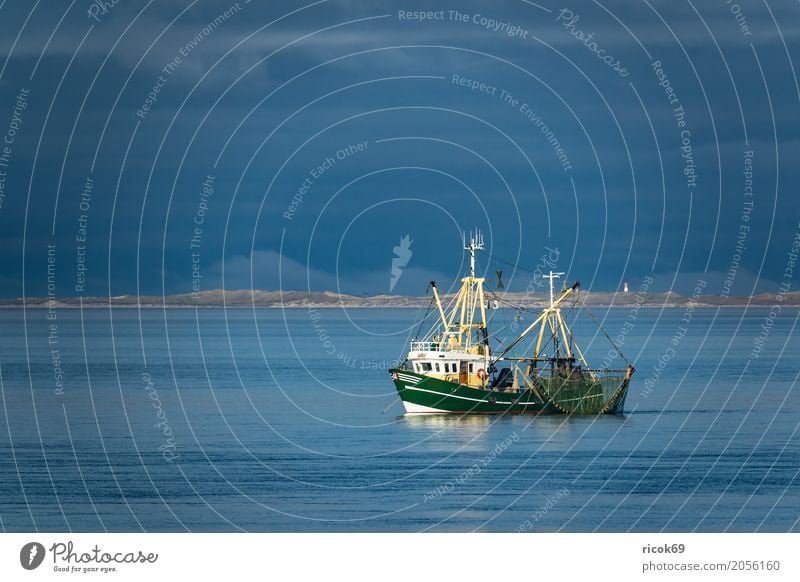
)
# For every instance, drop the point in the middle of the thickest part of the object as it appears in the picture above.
(451, 432)
(444, 421)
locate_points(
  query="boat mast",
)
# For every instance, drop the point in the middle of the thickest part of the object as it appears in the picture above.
(552, 276)
(472, 297)
(541, 321)
(553, 320)
(475, 244)
(461, 317)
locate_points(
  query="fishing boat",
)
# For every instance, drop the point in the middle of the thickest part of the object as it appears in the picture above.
(451, 368)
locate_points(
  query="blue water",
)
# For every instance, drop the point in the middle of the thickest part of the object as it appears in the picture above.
(273, 420)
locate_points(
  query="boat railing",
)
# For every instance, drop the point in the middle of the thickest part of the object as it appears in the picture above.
(427, 346)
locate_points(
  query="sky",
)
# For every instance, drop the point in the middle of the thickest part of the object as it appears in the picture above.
(169, 147)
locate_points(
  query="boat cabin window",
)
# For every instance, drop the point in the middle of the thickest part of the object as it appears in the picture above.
(470, 367)
(426, 366)
(437, 366)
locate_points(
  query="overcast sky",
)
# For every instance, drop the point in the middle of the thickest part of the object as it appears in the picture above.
(165, 146)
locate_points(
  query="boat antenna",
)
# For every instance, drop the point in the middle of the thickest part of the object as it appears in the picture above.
(552, 277)
(475, 244)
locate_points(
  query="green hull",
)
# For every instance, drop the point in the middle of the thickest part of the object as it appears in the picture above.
(424, 394)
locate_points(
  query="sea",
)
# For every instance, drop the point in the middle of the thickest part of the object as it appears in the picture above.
(286, 420)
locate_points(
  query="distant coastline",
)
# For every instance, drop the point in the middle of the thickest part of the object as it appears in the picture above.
(330, 299)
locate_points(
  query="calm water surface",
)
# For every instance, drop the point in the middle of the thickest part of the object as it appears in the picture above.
(273, 420)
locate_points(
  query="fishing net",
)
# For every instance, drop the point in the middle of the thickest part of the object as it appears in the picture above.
(581, 391)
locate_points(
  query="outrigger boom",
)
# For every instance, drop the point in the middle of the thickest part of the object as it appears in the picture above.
(543, 318)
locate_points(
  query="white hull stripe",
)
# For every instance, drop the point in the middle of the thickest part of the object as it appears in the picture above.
(412, 408)
(462, 397)
(405, 378)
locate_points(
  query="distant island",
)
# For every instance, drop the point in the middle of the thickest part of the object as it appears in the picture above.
(330, 299)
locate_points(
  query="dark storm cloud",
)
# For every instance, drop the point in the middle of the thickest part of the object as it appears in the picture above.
(537, 140)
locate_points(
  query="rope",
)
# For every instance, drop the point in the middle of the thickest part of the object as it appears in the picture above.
(611, 341)
(427, 312)
(400, 358)
(515, 265)
(504, 301)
